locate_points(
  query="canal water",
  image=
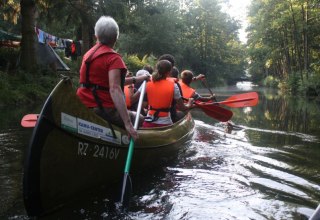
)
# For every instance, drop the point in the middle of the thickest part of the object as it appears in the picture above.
(267, 167)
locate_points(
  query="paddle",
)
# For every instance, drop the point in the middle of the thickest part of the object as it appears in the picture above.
(239, 100)
(215, 111)
(125, 191)
(205, 83)
(242, 100)
(29, 121)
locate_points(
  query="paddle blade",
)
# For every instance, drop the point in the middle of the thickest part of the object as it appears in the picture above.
(29, 121)
(216, 112)
(241, 100)
(126, 191)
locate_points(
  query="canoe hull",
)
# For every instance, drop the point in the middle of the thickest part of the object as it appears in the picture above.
(72, 151)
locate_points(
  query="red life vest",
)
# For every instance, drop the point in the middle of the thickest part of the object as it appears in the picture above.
(187, 91)
(98, 76)
(160, 95)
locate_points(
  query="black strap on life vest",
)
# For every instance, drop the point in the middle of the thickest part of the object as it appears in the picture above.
(94, 88)
(155, 116)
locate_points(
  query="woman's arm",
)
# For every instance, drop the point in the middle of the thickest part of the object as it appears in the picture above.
(119, 101)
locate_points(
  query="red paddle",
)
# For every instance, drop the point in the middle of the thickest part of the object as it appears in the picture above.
(216, 112)
(29, 121)
(241, 100)
(238, 101)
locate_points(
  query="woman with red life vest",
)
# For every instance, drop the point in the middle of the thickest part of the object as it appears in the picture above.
(188, 92)
(102, 78)
(160, 92)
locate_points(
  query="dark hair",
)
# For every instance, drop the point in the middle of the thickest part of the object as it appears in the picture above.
(163, 67)
(148, 68)
(129, 74)
(186, 76)
(175, 72)
(168, 57)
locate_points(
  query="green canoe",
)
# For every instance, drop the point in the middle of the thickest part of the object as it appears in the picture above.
(72, 150)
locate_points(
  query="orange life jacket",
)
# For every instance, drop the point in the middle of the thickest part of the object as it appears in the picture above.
(160, 95)
(173, 79)
(187, 91)
(128, 91)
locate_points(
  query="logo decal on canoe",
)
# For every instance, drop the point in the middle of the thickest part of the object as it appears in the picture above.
(97, 131)
(80, 126)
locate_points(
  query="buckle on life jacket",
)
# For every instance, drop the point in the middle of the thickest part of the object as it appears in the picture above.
(155, 116)
(149, 119)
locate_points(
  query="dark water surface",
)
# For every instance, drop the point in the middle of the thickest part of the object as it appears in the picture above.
(268, 167)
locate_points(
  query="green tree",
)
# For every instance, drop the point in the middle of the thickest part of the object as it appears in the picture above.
(196, 32)
(284, 38)
(213, 39)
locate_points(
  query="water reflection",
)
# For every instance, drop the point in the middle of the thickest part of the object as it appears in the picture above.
(281, 113)
(11, 154)
(246, 86)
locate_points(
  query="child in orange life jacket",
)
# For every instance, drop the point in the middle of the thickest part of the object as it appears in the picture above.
(160, 92)
(132, 98)
(146, 71)
(188, 92)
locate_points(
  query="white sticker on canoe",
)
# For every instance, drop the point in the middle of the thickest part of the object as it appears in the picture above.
(125, 139)
(97, 131)
(68, 122)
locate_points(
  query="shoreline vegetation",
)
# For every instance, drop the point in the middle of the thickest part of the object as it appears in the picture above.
(18, 87)
(282, 49)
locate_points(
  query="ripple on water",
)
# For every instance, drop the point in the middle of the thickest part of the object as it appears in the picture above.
(225, 177)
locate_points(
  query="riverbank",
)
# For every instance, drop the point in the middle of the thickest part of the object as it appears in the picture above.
(21, 88)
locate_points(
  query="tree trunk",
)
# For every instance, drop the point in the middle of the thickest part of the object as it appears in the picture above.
(297, 43)
(86, 44)
(305, 38)
(86, 27)
(28, 60)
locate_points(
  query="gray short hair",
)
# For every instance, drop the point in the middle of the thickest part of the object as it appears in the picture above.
(106, 30)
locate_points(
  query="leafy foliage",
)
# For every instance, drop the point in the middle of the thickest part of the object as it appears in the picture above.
(25, 88)
(196, 32)
(284, 41)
